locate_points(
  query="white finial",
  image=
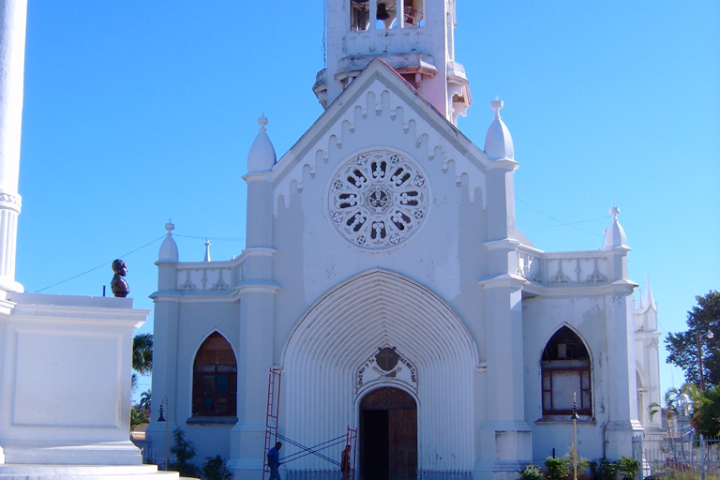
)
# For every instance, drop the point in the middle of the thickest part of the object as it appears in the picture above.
(207, 250)
(261, 157)
(614, 235)
(496, 105)
(262, 121)
(168, 249)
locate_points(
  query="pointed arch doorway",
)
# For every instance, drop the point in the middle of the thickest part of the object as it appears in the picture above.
(388, 435)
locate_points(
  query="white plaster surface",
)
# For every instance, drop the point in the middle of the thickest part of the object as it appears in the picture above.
(466, 300)
(64, 380)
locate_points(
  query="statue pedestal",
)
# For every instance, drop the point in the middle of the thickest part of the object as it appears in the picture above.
(65, 375)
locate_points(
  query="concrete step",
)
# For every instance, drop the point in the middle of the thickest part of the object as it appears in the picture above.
(84, 472)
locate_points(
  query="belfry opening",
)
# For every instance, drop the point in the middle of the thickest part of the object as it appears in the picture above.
(388, 435)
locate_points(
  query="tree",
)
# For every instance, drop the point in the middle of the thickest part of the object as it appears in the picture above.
(141, 356)
(184, 451)
(142, 353)
(683, 346)
(677, 405)
(558, 467)
(629, 467)
(146, 400)
(216, 469)
(137, 417)
(707, 414)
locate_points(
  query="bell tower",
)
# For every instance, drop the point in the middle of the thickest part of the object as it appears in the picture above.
(414, 37)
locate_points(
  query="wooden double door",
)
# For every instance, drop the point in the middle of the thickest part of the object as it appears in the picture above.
(388, 435)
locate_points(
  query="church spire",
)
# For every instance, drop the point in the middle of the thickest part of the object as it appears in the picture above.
(414, 37)
(207, 251)
(650, 298)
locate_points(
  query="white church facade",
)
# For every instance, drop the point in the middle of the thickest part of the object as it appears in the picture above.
(385, 281)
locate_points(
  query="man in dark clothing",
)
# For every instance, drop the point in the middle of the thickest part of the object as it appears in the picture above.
(273, 457)
(345, 463)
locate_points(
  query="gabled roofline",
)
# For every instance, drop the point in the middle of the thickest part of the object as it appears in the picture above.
(377, 69)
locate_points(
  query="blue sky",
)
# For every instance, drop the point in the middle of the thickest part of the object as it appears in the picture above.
(137, 111)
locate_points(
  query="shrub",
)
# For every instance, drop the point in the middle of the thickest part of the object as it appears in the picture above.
(557, 467)
(582, 463)
(605, 470)
(216, 469)
(184, 451)
(629, 467)
(531, 472)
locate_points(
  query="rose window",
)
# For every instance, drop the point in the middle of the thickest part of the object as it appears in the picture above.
(378, 199)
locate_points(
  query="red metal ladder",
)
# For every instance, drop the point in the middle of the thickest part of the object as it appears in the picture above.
(272, 435)
(273, 414)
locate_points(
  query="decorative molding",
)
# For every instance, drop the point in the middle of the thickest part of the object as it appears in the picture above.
(504, 244)
(378, 199)
(559, 276)
(258, 286)
(10, 202)
(386, 365)
(220, 285)
(259, 252)
(258, 177)
(503, 281)
(327, 135)
(345, 328)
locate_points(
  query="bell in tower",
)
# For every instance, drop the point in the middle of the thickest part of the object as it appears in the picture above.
(414, 37)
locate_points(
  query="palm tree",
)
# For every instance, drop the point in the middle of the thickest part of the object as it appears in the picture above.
(141, 356)
(671, 408)
(146, 400)
(142, 353)
(137, 417)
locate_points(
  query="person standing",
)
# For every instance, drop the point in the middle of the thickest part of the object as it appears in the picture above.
(273, 458)
(345, 463)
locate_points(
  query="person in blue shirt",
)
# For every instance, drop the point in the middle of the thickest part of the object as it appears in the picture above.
(273, 457)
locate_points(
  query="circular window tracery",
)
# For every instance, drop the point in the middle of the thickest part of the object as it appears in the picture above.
(378, 199)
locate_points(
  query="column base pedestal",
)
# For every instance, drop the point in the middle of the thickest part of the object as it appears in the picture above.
(110, 453)
(506, 448)
(247, 457)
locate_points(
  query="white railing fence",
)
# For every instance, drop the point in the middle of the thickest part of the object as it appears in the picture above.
(689, 456)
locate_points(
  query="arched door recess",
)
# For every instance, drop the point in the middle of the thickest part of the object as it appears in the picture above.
(344, 328)
(388, 435)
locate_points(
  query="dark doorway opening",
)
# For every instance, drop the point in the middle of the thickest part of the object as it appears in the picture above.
(388, 435)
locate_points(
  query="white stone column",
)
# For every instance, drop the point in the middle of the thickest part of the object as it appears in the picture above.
(505, 438)
(165, 369)
(257, 317)
(13, 16)
(623, 423)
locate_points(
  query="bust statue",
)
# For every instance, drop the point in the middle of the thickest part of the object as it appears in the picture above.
(119, 285)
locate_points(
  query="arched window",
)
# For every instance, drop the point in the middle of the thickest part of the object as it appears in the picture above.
(566, 371)
(215, 379)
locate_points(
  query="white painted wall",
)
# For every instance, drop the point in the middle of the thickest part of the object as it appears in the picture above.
(65, 380)
(303, 309)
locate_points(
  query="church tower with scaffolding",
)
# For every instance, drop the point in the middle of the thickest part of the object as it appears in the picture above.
(386, 286)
